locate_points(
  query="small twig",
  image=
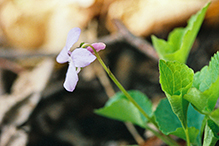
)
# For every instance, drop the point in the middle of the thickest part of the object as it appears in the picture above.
(110, 39)
(141, 44)
(12, 53)
(134, 133)
(9, 65)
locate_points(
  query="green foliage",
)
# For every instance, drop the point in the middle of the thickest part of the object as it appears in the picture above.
(120, 108)
(205, 93)
(211, 134)
(214, 116)
(169, 123)
(181, 86)
(180, 40)
(176, 79)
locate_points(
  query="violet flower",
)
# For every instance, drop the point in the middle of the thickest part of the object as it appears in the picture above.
(80, 57)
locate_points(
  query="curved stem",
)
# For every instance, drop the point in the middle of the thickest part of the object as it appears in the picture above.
(166, 139)
(120, 86)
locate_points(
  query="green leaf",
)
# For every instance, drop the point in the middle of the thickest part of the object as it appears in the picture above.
(165, 118)
(205, 93)
(196, 120)
(211, 134)
(180, 40)
(169, 123)
(176, 79)
(214, 116)
(193, 133)
(198, 100)
(208, 75)
(120, 108)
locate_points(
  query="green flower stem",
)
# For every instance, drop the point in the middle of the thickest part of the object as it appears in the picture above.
(187, 136)
(119, 85)
(166, 139)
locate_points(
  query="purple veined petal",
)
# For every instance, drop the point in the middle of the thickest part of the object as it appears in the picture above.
(97, 47)
(82, 57)
(71, 78)
(63, 56)
(73, 36)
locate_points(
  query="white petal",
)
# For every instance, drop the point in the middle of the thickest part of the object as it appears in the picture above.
(82, 57)
(71, 78)
(63, 56)
(73, 36)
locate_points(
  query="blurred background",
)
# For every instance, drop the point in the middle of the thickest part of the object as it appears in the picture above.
(36, 110)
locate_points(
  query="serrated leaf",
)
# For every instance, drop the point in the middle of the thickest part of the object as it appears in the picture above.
(120, 108)
(208, 74)
(180, 40)
(211, 134)
(205, 93)
(169, 123)
(176, 79)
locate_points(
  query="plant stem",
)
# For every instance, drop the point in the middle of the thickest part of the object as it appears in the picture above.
(121, 87)
(166, 139)
(187, 136)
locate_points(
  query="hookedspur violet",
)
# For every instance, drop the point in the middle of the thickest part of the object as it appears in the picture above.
(78, 58)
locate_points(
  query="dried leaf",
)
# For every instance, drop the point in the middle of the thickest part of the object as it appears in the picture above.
(143, 17)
